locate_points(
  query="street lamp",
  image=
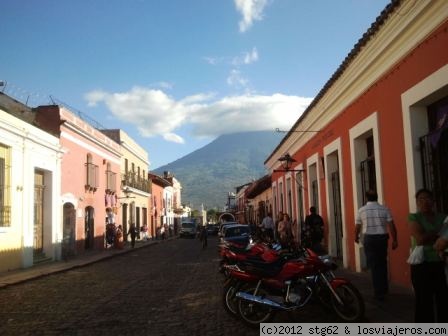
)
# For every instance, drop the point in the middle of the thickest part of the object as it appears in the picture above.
(286, 162)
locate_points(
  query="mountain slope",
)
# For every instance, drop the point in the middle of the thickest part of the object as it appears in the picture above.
(209, 173)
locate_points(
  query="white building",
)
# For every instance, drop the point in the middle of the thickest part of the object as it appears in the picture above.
(30, 184)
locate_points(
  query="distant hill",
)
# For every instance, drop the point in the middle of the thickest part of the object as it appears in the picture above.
(209, 173)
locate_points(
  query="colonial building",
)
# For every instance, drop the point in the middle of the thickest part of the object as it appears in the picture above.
(135, 186)
(380, 122)
(174, 216)
(259, 196)
(89, 178)
(158, 202)
(30, 188)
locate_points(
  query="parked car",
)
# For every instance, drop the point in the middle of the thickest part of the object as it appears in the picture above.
(223, 225)
(239, 233)
(188, 229)
(212, 229)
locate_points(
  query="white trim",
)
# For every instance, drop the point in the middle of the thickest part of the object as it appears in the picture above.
(313, 159)
(90, 148)
(369, 124)
(336, 147)
(105, 145)
(413, 103)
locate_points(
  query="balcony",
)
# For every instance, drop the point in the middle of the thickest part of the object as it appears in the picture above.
(137, 182)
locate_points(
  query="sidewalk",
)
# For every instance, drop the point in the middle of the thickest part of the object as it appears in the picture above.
(397, 308)
(40, 270)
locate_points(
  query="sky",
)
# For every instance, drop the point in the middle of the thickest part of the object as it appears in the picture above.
(176, 74)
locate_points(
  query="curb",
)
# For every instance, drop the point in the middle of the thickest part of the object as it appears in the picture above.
(35, 272)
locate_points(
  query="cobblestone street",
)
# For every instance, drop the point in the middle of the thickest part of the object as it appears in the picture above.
(171, 288)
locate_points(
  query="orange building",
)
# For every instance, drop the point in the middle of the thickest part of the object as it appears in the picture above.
(380, 122)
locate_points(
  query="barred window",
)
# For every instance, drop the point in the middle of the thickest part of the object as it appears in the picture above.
(91, 173)
(111, 179)
(5, 186)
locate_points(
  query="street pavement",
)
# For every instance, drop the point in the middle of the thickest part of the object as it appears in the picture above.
(188, 276)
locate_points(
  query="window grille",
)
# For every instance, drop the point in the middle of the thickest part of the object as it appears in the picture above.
(5, 187)
(434, 161)
(368, 177)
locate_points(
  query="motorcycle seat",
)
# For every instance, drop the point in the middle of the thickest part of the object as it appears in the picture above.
(263, 268)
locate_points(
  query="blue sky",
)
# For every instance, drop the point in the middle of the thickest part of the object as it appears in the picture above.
(175, 74)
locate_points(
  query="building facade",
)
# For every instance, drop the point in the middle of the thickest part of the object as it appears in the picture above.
(89, 178)
(135, 193)
(30, 185)
(380, 123)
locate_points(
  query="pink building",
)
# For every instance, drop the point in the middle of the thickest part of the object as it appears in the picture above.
(90, 178)
(158, 201)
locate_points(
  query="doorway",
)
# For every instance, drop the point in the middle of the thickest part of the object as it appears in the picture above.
(89, 228)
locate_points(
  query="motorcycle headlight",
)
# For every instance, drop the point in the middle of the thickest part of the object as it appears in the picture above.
(326, 259)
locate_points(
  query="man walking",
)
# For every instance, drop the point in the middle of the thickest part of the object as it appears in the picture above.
(374, 220)
(313, 230)
(268, 225)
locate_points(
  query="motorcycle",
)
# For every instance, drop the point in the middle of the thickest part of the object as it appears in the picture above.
(255, 252)
(232, 253)
(256, 291)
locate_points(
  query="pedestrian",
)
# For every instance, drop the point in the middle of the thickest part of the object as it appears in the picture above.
(203, 236)
(375, 220)
(428, 278)
(133, 233)
(144, 232)
(162, 231)
(285, 237)
(277, 220)
(119, 238)
(313, 230)
(268, 226)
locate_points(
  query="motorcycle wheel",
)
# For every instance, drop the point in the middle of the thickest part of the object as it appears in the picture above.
(252, 313)
(352, 309)
(229, 299)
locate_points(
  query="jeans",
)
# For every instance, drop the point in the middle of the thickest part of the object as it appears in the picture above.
(375, 248)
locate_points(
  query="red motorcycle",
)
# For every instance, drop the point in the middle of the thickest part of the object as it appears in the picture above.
(257, 290)
(232, 253)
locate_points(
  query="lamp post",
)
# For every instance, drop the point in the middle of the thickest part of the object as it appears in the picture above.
(286, 162)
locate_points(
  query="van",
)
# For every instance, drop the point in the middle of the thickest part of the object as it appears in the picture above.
(188, 229)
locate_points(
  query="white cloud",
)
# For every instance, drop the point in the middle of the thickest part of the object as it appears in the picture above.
(250, 10)
(247, 57)
(154, 113)
(173, 138)
(236, 79)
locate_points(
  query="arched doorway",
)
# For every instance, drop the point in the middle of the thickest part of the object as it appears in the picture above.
(226, 217)
(89, 228)
(69, 220)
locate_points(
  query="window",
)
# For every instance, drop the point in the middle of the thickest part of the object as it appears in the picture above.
(289, 197)
(367, 167)
(301, 213)
(434, 153)
(111, 179)
(5, 186)
(91, 174)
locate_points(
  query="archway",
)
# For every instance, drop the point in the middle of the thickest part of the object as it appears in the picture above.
(226, 217)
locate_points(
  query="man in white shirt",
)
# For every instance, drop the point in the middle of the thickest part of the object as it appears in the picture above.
(268, 225)
(375, 219)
